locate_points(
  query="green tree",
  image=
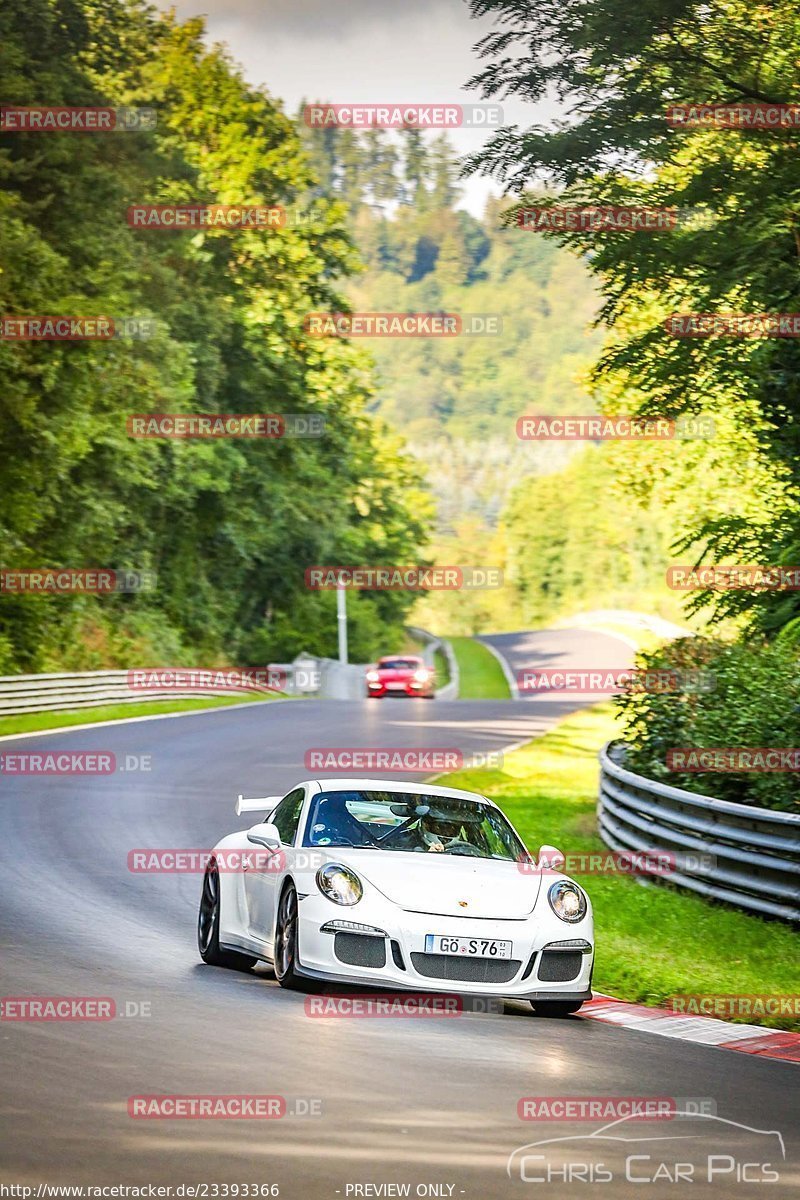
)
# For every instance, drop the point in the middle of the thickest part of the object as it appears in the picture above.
(738, 190)
(229, 527)
(443, 172)
(381, 163)
(416, 167)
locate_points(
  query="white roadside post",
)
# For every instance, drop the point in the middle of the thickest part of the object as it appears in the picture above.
(341, 620)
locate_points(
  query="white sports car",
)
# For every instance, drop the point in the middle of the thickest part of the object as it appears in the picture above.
(396, 885)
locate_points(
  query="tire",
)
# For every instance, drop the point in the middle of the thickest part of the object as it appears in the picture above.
(285, 960)
(556, 1008)
(208, 927)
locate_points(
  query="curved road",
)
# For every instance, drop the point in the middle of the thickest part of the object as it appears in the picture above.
(404, 1101)
(558, 650)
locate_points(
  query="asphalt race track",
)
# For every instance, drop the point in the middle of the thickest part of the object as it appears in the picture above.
(418, 1102)
(562, 650)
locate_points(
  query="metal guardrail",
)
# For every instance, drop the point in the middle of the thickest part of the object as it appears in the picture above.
(448, 691)
(92, 689)
(307, 675)
(746, 856)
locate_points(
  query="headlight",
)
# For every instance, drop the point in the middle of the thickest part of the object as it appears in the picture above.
(339, 884)
(421, 675)
(567, 901)
(373, 677)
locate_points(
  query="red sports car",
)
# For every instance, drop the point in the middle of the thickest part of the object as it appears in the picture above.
(400, 675)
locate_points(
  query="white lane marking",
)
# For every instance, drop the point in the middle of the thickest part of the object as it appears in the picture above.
(14, 737)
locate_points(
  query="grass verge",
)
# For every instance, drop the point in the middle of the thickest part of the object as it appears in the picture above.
(442, 668)
(31, 722)
(480, 674)
(653, 941)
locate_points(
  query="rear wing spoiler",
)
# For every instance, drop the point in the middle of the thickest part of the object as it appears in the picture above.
(256, 804)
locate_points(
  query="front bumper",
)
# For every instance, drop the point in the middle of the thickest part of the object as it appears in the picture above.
(400, 961)
(405, 689)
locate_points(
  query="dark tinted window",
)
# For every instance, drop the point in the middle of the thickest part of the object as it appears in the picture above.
(411, 822)
(287, 815)
(399, 664)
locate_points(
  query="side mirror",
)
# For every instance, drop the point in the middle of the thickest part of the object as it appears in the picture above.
(550, 858)
(266, 835)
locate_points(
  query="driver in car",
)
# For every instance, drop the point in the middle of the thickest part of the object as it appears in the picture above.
(428, 834)
(430, 839)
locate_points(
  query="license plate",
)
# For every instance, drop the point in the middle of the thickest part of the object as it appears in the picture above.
(438, 943)
(396, 687)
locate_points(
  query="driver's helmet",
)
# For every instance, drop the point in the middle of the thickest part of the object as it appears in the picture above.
(445, 830)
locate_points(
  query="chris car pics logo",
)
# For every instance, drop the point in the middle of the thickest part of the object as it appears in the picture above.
(697, 1147)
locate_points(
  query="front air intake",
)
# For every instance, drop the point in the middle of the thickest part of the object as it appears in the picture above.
(559, 966)
(358, 950)
(467, 970)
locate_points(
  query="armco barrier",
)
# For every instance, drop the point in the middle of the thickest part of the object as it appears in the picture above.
(91, 689)
(449, 691)
(306, 676)
(755, 852)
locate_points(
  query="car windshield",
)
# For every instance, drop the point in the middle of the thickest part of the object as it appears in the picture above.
(398, 664)
(412, 823)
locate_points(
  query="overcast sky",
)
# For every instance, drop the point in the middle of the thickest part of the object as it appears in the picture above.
(359, 50)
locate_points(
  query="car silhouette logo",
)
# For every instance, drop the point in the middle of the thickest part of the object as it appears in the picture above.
(620, 1133)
